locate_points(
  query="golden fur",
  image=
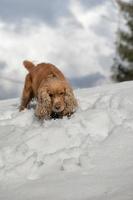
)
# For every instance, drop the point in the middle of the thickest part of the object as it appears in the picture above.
(48, 85)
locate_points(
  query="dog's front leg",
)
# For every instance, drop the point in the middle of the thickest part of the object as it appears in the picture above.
(27, 94)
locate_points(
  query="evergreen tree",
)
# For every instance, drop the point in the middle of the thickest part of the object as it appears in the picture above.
(122, 69)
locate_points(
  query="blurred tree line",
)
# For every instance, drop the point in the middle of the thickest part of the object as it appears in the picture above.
(122, 69)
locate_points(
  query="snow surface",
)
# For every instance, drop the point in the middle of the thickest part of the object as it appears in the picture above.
(87, 157)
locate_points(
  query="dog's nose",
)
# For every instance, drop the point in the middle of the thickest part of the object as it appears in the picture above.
(57, 106)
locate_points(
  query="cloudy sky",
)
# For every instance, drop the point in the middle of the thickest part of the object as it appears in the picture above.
(76, 35)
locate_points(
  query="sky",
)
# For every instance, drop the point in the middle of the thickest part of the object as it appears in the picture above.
(78, 36)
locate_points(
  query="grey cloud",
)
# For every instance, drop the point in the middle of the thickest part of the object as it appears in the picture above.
(3, 65)
(9, 87)
(88, 80)
(45, 10)
(40, 10)
(4, 94)
(88, 4)
(13, 92)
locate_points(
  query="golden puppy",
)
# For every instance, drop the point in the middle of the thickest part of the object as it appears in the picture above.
(48, 85)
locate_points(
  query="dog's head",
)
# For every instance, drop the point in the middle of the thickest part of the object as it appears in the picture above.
(54, 98)
(56, 91)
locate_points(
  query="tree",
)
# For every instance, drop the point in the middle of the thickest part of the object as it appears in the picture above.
(122, 69)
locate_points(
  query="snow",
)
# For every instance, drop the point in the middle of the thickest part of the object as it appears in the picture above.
(89, 156)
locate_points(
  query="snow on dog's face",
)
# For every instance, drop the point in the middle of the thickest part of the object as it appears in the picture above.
(55, 98)
(51, 98)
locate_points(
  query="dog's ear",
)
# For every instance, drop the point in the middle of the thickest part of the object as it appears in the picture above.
(70, 102)
(28, 65)
(43, 107)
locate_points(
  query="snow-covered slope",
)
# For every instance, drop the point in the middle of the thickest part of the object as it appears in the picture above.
(89, 156)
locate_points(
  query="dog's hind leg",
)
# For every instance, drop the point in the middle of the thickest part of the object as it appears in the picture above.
(27, 93)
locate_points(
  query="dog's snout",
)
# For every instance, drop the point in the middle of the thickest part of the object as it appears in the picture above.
(57, 106)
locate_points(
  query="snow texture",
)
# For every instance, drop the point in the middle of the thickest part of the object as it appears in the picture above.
(89, 156)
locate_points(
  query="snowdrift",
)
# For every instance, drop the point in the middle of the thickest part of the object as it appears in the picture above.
(89, 156)
(31, 149)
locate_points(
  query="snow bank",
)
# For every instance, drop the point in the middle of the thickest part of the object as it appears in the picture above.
(31, 149)
(89, 156)
(28, 147)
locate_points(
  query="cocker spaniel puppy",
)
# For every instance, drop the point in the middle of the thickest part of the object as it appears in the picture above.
(47, 84)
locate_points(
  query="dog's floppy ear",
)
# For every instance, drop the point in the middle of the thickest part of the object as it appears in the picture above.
(28, 65)
(43, 107)
(70, 102)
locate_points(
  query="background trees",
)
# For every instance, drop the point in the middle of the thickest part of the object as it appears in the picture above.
(122, 69)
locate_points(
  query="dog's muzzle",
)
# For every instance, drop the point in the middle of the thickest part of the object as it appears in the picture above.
(57, 108)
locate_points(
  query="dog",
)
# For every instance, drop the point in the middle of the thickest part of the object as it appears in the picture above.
(47, 84)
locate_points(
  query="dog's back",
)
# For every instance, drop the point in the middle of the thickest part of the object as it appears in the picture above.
(42, 72)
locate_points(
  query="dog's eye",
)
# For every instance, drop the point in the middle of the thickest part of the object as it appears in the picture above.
(51, 95)
(61, 93)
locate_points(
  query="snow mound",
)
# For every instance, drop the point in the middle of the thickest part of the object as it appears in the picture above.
(29, 148)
